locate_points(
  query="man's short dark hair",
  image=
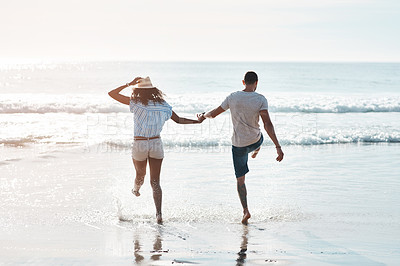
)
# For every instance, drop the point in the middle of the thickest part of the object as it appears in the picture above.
(250, 77)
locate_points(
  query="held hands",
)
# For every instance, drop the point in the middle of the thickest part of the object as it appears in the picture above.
(201, 117)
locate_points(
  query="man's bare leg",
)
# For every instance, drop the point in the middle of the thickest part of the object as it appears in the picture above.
(155, 169)
(255, 152)
(140, 167)
(241, 188)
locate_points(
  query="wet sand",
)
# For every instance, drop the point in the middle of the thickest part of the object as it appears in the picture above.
(75, 207)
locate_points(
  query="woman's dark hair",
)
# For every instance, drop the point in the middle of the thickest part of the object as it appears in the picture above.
(145, 95)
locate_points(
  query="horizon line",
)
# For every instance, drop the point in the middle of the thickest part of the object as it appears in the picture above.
(8, 61)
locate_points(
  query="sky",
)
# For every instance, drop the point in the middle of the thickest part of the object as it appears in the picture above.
(201, 30)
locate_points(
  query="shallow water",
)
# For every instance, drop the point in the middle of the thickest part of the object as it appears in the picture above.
(321, 205)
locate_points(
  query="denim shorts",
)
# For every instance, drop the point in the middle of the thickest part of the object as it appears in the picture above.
(241, 156)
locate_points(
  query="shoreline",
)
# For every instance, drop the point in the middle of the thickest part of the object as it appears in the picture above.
(315, 208)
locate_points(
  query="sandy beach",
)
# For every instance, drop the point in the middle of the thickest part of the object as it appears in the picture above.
(75, 207)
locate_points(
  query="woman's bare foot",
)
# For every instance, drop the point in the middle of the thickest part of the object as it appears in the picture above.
(254, 154)
(135, 192)
(159, 218)
(246, 217)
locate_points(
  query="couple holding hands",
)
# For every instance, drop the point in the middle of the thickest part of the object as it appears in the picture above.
(151, 111)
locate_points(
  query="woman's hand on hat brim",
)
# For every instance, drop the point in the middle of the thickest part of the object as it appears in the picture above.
(135, 81)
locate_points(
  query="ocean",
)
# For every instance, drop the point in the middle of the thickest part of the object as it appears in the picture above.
(310, 103)
(65, 166)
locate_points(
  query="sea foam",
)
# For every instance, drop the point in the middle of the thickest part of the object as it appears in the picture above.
(189, 103)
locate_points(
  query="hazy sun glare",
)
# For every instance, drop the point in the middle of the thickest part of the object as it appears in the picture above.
(177, 30)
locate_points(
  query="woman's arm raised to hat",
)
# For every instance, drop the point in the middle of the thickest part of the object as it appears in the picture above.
(115, 94)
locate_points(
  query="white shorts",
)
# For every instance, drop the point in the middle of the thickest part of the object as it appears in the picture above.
(143, 149)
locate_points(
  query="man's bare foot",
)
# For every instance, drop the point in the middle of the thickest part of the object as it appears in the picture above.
(254, 154)
(246, 217)
(135, 192)
(159, 218)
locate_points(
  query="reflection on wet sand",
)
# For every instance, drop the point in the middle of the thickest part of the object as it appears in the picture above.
(157, 247)
(241, 260)
(137, 247)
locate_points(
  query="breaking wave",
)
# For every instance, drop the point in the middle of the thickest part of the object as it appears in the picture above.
(216, 143)
(80, 104)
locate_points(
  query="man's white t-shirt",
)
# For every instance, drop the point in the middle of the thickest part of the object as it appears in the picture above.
(245, 112)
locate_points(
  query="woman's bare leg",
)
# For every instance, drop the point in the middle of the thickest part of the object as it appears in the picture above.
(155, 169)
(140, 167)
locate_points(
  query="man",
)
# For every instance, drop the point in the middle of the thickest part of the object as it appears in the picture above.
(246, 107)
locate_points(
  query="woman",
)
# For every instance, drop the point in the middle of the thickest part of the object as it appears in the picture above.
(150, 111)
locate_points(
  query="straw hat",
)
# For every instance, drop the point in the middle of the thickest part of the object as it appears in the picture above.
(144, 83)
